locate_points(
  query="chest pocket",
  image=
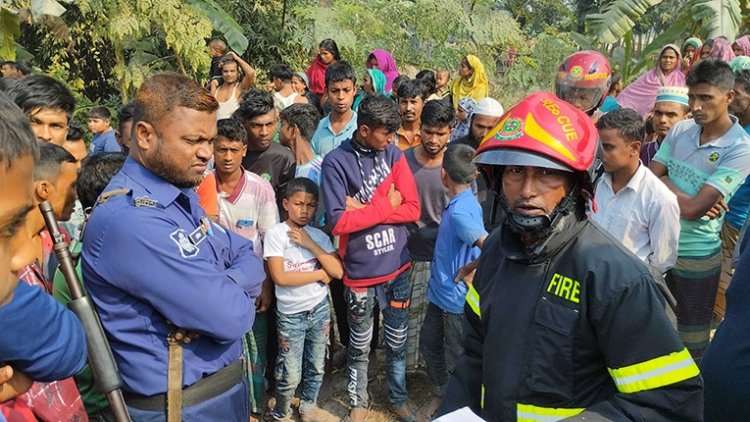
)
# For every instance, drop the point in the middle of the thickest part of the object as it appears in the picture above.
(551, 364)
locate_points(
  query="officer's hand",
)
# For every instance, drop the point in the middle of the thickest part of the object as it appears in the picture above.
(12, 383)
(353, 204)
(185, 336)
(395, 197)
(466, 273)
(265, 299)
(717, 210)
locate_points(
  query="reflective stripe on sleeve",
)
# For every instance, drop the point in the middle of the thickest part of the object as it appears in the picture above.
(531, 413)
(472, 298)
(655, 373)
(481, 399)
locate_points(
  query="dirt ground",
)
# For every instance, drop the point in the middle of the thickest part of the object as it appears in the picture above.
(333, 400)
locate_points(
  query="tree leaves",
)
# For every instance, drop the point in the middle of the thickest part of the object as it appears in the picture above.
(10, 28)
(616, 19)
(223, 23)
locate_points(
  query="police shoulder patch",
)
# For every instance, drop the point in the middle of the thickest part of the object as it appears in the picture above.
(184, 243)
(144, 201)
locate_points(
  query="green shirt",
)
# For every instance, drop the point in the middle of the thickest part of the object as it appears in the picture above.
(93, 401)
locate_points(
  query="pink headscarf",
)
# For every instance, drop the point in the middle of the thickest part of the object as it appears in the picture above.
(640, 95)
(387, 65)
(744, 44)
(720, 49)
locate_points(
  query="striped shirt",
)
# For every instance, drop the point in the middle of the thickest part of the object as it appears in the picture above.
(250, 209)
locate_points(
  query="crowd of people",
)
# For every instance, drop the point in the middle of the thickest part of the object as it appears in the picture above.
(565, 258)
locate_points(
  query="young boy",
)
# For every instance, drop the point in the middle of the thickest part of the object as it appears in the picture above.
(301, 261)
(341, 85)
(298, 123)
(284, 94)
(370, 196)
(459, 241)
(100, 124)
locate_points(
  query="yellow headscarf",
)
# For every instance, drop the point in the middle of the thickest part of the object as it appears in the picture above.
(475, 86)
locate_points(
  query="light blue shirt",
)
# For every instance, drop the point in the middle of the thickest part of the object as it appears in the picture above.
(460, 228)
(325, 140)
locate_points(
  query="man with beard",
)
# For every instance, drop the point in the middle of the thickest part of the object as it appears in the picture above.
(426, 162)
(560, 320)
(411, 99)
(486, 116)
(183, 296)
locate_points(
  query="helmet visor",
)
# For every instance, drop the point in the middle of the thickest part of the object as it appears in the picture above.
(513, 157)
(584, 99)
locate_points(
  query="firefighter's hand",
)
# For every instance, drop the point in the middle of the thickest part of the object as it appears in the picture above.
(12, 383)
(263, 301)
(466, 275)
(353, 204)
(717, 210)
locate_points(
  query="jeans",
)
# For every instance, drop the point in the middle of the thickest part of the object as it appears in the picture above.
(441, 344)
(360, 302)
(302, 346)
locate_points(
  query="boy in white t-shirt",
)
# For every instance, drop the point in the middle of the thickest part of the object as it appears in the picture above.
(301, 261)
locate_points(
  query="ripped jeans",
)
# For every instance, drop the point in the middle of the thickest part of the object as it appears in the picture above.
(394, 296)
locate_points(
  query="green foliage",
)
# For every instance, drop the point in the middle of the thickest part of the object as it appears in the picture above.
(616, 19)
(223, 23)
(535, 71)
(10, 28)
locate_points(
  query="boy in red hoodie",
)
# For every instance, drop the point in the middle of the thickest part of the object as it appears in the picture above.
(370, 195)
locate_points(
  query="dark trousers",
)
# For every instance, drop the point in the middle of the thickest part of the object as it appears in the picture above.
(441, 344)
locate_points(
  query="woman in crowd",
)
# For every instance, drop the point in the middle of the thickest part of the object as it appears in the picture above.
(383, 61)
(641, 94)
(463, 118)
(427, 77)
(328, 53)
(372, 83)
(717, 48)
(472, 81)
(741, 46)
(689, 47)
(301, 85)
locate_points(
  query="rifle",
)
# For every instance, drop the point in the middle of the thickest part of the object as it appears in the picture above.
(101, 361)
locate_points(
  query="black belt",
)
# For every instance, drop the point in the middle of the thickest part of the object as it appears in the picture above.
(205, 389)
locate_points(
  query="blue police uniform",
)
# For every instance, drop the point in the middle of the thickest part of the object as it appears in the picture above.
(151, 257)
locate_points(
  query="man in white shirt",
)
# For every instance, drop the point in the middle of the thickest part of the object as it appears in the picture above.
(634, 206)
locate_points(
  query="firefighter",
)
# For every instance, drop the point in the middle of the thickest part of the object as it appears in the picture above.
(563, 321)
(583, 80)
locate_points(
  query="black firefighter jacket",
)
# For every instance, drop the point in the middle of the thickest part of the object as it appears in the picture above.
(576, 331)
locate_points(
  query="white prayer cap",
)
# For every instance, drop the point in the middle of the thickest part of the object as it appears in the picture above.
(489, 107)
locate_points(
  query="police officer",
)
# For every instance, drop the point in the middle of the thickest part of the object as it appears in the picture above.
(562, 320)
(158, 268)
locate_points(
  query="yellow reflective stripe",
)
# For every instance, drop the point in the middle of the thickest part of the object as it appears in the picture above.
(655, 373)
(531, 413)
(481, 400)
(472, 298)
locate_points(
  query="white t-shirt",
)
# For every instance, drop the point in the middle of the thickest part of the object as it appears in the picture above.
(291, 300)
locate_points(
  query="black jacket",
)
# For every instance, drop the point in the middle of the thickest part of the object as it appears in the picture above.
(576, 329)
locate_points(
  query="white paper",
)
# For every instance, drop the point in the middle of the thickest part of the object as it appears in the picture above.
(463, 414)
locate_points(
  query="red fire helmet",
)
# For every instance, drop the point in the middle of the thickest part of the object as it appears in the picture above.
(583, 79)
(542, 131)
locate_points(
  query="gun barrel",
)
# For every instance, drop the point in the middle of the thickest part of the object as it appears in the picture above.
(101, 361)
